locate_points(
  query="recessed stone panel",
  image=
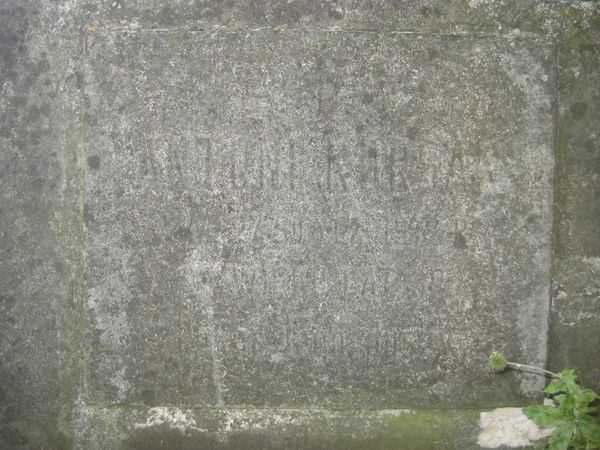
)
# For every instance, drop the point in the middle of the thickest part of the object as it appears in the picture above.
(315, 218)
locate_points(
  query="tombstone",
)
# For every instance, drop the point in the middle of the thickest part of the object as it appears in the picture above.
(307, 224)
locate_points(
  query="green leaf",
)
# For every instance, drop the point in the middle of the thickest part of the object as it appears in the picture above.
(585, 396)
(555, 387)
(568, 374)
(565, 404)
(573, 390)
(561, 437)
(560, 399)
(590, 431)
(543, 415)
(569, 377)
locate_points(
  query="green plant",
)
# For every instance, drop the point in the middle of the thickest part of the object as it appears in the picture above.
(570, 416)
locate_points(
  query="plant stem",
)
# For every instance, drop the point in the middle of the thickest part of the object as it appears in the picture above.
(526, 368)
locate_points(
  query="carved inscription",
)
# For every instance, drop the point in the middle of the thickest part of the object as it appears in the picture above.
(208, 166)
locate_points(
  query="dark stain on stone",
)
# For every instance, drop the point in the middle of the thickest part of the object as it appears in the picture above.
(336, 13)
(579, 110)
(45, 109)
(256, 122)
(37, 184)
(325, 106)
(171, 363)
(32, 170)
(13, 26)
(32, 114)
(156, 240)
(367, 98)
(42, 65)
(591, 147)
(183, 233)
(460, 242)
(7, 301)
(14, 435)
(450, 38)
(149, 374)
(90, 8)
(168, 16)
(372, 153)
(425, 11)
(59, 441)
(412, 133)
(60, 267)
(148, 397)
(93, 162)
(18, 101)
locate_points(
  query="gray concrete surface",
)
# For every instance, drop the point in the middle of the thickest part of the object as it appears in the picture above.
(213, 207)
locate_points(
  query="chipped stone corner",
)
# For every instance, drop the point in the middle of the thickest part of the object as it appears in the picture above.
(508, 427)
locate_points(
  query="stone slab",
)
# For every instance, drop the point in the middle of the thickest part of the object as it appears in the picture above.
(143, 428)
(40, 237)
(574, 340)
(315, 218)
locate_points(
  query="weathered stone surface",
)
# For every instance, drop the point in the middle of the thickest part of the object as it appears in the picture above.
(315, 218)
(142, 428)
(434, 122)
(40, 230)
(574, 340)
